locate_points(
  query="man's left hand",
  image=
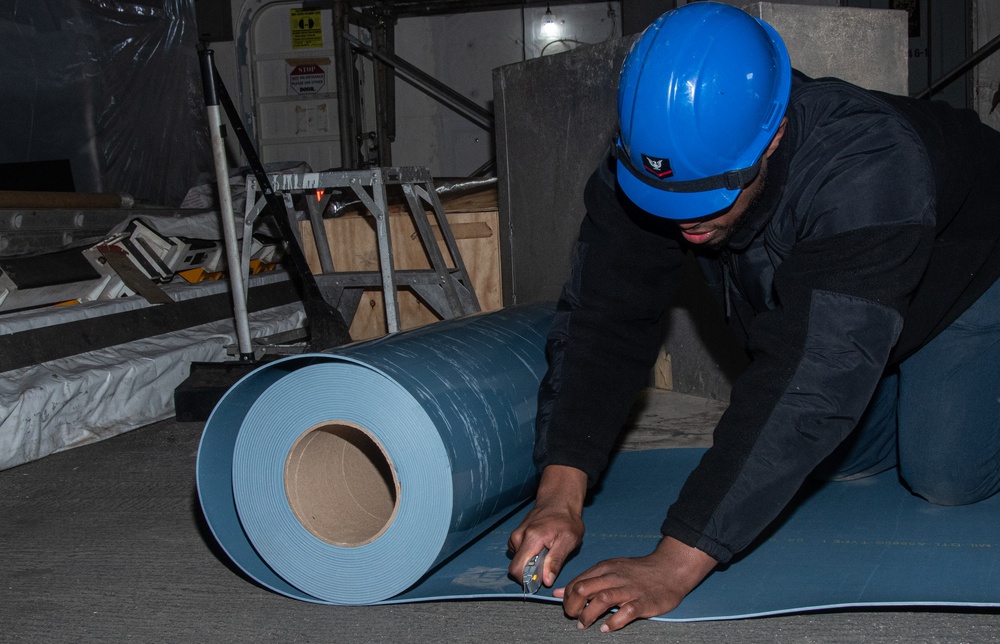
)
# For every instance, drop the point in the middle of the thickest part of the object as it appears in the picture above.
(641, 587)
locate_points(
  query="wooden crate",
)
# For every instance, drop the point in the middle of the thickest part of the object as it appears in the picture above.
(353, 244)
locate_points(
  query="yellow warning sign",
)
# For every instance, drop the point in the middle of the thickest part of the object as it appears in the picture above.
(307, 29)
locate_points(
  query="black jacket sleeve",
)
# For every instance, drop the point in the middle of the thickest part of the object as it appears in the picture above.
(607, 329)
(817, 358)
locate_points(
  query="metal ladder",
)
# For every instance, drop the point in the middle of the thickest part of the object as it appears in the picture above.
(446, 290)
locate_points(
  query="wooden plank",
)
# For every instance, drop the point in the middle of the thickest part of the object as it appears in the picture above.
(353, 243)
(663, 371)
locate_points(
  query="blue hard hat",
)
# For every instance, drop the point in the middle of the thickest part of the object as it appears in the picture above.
(702, 93)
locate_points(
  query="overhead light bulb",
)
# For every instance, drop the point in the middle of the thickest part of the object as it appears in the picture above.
(550, 28)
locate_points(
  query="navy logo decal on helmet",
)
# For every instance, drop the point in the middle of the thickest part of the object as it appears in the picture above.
(658, 167)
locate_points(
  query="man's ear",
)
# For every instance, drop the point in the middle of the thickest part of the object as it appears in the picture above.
(773, 145)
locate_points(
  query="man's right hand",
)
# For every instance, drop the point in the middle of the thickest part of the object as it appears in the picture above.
(555, 522)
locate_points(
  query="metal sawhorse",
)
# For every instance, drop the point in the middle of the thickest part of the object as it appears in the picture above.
(446, 290)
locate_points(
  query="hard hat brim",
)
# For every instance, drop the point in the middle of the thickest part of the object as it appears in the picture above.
(674, 205)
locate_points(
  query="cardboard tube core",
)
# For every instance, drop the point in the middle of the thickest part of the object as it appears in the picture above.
(340, 484)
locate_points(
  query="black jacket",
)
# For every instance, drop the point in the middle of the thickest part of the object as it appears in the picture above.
(878, 227)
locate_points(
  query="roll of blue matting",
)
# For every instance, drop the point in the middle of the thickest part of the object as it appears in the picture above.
(345, 477)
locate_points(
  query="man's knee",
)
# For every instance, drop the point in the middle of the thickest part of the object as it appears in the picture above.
(950, 488)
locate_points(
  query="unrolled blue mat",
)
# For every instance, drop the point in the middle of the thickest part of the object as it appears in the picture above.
(852, 544)
(393, 471)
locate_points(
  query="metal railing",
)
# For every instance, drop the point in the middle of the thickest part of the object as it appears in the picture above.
(977, 57)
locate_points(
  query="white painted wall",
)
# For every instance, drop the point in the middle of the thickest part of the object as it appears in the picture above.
(461, 51)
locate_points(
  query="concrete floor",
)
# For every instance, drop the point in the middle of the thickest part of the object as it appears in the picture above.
(105, 543)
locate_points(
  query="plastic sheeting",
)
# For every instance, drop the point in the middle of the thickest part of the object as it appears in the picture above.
(111, 85)
(344, 477)
(84, 398)
(178, 291)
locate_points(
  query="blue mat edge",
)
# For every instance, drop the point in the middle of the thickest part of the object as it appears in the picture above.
(717, 618)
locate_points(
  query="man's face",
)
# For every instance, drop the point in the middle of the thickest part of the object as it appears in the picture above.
(714, 230)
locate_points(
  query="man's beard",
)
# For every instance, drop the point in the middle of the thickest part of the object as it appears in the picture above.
(751, 210)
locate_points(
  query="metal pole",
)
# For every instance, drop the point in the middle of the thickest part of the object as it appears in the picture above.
(345, 87)
(326, 325)
(469, 109)
(236, 286)
(385, 108)
(970, 62)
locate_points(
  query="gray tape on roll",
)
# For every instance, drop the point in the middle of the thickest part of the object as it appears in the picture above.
(345, 477)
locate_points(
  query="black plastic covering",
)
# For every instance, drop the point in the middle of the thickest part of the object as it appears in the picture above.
(110, 85)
